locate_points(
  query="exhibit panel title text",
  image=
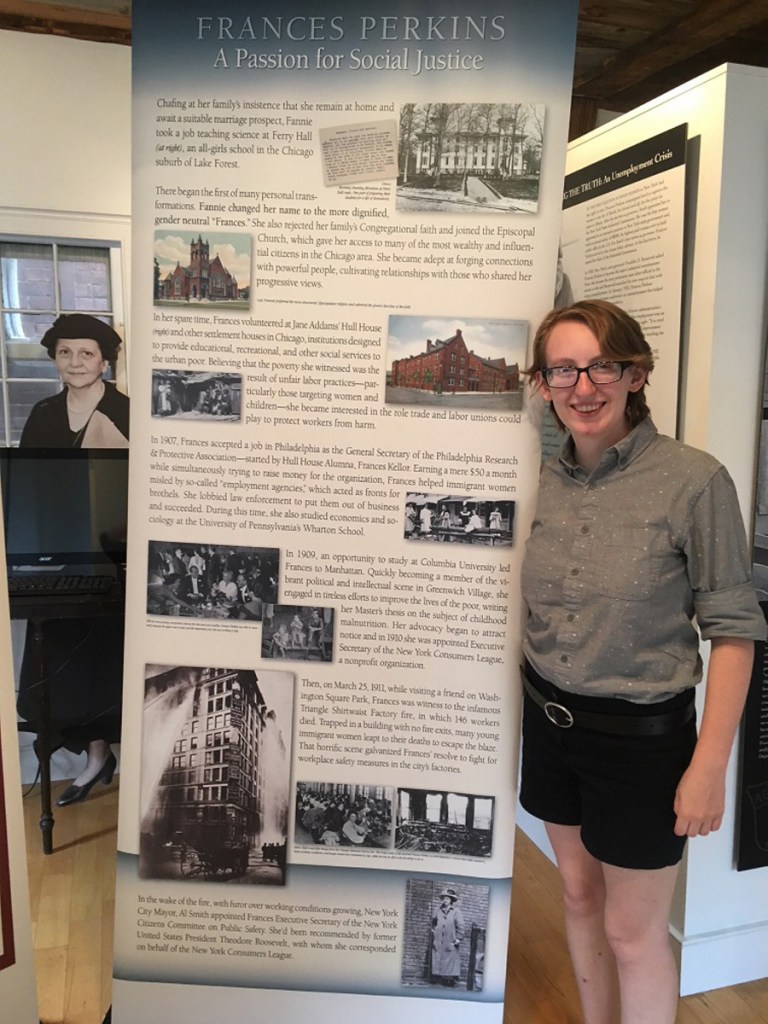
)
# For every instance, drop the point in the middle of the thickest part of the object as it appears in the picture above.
(238, 35)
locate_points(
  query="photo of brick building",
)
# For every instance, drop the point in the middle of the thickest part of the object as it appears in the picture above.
(191, 269)
(215, 778)
(449, 366)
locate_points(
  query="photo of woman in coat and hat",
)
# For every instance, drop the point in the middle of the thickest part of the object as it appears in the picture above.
(88, 412)
(447, 935)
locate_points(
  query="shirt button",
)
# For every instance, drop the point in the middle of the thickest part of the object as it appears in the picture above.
(570, 617)
(585, 529)
(564, 658)
(574, 572)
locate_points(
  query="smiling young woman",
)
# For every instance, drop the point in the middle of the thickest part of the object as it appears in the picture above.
(635, 536)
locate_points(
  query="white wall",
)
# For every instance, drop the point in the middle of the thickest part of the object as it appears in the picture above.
(65, 122)
(720, 915)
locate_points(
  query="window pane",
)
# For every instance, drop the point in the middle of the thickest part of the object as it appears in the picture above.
(23, 333)
(21, 398)
(27, 275)
(84, 278)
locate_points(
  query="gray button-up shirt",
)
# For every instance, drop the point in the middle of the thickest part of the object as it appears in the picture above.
(621, 560)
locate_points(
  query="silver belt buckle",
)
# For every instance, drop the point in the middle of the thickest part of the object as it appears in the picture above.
(558, 715)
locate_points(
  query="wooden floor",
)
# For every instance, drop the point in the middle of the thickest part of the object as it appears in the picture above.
(72, 898)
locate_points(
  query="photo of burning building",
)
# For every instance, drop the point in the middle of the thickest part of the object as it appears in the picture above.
(215, 774)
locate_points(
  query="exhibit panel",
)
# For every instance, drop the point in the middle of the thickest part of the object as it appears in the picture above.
(345, 229)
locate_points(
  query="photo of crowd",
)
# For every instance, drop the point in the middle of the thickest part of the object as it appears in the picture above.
(297, 633)
(444, 822)
(343, 815)
(189, 395)
(458, 519)
(211, 581)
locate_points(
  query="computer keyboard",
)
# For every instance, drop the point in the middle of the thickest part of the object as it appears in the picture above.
(43, 586)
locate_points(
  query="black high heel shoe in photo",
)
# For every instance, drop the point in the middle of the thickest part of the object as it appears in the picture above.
(74, 794)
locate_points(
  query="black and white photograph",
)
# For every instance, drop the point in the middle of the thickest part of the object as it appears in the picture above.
(335, 815)
(438, 821)
(192, 271)
(444, 936)
(468, 363)
(211, 581)
(297, 632)
(215, 774)
(191, 395)
(470, 157)
(458, 519)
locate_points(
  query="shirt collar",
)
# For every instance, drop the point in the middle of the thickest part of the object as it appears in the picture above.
(620, 454)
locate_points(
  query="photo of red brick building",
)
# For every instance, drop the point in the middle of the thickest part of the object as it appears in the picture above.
(449, 366)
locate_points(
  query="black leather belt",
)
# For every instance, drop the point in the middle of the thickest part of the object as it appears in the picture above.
(619, 725)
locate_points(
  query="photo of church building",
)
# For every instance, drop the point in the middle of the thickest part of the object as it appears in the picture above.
(191, 269)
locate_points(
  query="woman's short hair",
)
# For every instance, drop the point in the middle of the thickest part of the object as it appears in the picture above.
(81, 325)
(619, 335)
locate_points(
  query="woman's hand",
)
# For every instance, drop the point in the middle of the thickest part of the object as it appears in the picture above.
(700, 801)
(700, 797)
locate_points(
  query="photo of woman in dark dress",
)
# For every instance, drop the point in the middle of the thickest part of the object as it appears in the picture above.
(84, 656)
(88, 412)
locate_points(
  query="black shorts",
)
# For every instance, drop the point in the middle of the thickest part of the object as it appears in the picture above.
(619, 789)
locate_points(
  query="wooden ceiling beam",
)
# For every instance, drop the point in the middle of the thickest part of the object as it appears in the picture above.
(706, 25)
(55, 19)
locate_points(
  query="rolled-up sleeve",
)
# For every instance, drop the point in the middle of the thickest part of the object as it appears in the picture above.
(719, 566)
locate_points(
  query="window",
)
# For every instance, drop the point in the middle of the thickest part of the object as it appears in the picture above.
(39, 280)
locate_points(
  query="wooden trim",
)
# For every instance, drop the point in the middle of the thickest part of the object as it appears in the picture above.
(703, 27)
(76, 23)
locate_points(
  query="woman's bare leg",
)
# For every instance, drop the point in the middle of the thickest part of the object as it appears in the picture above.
(584, 897)
(637, 912)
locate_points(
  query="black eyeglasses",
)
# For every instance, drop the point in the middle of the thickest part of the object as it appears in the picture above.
(605, 372)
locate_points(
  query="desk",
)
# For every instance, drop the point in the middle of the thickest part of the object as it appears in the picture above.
(39, 610)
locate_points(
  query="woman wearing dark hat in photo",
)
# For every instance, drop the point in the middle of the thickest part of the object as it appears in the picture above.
(88, 412)
(84, 656)
(447, 935)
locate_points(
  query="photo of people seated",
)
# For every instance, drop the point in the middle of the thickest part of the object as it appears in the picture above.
(458, 519)
(338, 815)
(211, 581)
(297, 633)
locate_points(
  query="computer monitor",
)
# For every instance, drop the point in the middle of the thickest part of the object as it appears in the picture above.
(64, 507)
